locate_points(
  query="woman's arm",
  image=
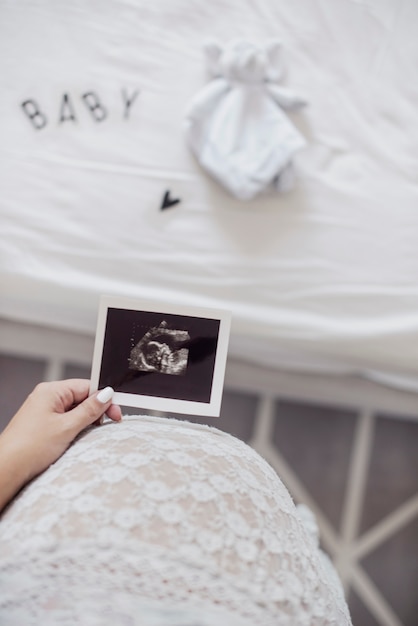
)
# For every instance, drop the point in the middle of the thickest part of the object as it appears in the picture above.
(43, 428)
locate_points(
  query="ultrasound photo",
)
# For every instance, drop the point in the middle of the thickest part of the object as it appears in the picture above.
(170, 360)
(161, 349)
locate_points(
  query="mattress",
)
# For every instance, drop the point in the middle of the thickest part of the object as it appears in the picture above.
(92, 138)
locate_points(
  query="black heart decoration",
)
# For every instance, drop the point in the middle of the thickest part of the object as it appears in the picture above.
(168, 202)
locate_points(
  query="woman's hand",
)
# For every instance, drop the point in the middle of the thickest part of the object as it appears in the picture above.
(43, 428)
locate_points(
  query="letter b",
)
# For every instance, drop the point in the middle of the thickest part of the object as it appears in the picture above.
(94, 105)
(31, 109)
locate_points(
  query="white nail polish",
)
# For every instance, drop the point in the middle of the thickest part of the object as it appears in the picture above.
(105, 395)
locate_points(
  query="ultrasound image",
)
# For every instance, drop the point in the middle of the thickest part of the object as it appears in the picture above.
(162, 350)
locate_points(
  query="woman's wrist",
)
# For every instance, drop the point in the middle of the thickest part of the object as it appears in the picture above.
(14, 470)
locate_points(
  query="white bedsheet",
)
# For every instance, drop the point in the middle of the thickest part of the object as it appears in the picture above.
(325, 276)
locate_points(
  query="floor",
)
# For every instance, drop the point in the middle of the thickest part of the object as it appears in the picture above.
(358, 471)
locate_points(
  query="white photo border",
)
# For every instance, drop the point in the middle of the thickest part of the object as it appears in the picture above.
(156, 403)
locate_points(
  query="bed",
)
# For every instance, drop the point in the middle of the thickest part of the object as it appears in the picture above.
(321, 278)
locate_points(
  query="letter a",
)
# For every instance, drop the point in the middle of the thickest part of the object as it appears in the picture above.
(67, 110)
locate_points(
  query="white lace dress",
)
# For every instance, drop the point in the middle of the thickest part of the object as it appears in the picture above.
(157, 522)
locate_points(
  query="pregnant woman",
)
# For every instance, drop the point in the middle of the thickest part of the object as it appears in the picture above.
(148, 521)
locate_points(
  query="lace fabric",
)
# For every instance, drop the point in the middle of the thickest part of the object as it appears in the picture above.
(158, 510)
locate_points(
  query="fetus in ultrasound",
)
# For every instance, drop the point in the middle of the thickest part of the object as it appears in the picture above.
(161, 349)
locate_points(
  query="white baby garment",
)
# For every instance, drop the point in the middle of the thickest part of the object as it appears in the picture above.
(236, 126)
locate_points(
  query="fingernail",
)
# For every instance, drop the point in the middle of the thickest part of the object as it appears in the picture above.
(105, 395)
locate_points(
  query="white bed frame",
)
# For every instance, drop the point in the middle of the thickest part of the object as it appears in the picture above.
(366, 398)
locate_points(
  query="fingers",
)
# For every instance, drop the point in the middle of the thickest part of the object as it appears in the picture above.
(114, 412)
(93, 408)
(61, 395)
(78, 387)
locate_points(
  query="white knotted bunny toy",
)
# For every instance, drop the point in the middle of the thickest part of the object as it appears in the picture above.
(236, 126)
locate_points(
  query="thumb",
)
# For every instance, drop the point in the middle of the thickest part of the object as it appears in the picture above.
(91, 409)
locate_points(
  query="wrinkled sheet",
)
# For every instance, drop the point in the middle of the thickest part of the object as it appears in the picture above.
(324, 276)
